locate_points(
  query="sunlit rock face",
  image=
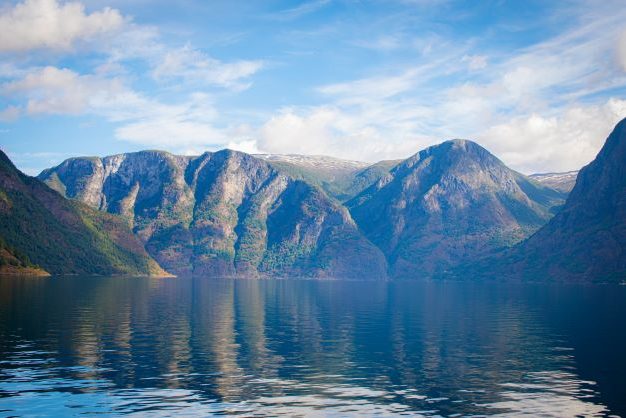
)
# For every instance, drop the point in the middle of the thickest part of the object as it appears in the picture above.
(447, 204)
(223, 214)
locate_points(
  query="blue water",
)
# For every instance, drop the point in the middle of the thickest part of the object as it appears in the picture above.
(188, 347)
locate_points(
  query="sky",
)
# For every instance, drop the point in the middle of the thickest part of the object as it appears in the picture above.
(538, 83)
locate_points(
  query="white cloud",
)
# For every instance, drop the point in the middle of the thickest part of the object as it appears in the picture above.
(331, 131)
(35, 24)
(52, 90)
(39, 24)
(173, 132)
(535, 143)
(370, 89)
(288, 132)
(537, 108)
(183, 121)
(557, 143)
(248, 146)
(141, 120)
(180, 128)
(193, 65)
(374, 87)
(525, 107)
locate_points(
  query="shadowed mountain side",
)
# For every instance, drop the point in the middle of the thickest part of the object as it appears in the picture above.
(223, 214)
(586, 240)
(449, 203)
(39, 228)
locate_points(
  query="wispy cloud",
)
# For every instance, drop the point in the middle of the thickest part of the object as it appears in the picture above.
(52, 90)
(384, 42)
(369, 81)
(475, 62)
(192, 65)
(536, 107)
(300, 10)
(190, 123)
(104, 86)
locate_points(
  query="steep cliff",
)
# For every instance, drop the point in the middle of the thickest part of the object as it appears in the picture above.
(586, 240)
(222, 214)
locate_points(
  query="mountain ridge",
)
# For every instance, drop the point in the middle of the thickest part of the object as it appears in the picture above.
(218, 214)
(230, 213)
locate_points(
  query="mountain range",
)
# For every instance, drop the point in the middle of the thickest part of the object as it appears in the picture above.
(451, 206)
(223, 214)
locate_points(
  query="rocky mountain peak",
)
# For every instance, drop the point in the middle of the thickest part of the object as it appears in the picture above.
(452, 156)
(450, 201)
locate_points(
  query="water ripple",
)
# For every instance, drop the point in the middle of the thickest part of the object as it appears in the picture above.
(206, 347)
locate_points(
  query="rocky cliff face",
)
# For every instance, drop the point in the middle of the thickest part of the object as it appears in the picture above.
(224, 213)
(586, 240)
(449, 203)
(41, 230)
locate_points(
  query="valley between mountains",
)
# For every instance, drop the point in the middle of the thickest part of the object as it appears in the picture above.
(447, 211)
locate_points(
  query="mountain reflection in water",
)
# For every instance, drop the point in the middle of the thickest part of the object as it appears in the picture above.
(70, 346)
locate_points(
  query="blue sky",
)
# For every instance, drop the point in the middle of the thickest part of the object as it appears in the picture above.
(538, 83)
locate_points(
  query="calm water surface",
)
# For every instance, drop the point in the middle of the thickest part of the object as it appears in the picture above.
(187, 347)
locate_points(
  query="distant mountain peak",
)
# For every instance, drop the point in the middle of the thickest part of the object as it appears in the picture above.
(320, 161)
(563, 182)
(454, 151)
(462, 143)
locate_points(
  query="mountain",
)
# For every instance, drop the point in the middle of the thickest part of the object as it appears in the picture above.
(340, 179)
(40, 230)
(563, 182)
(225, 213)
(449, 203)
(586, 240)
